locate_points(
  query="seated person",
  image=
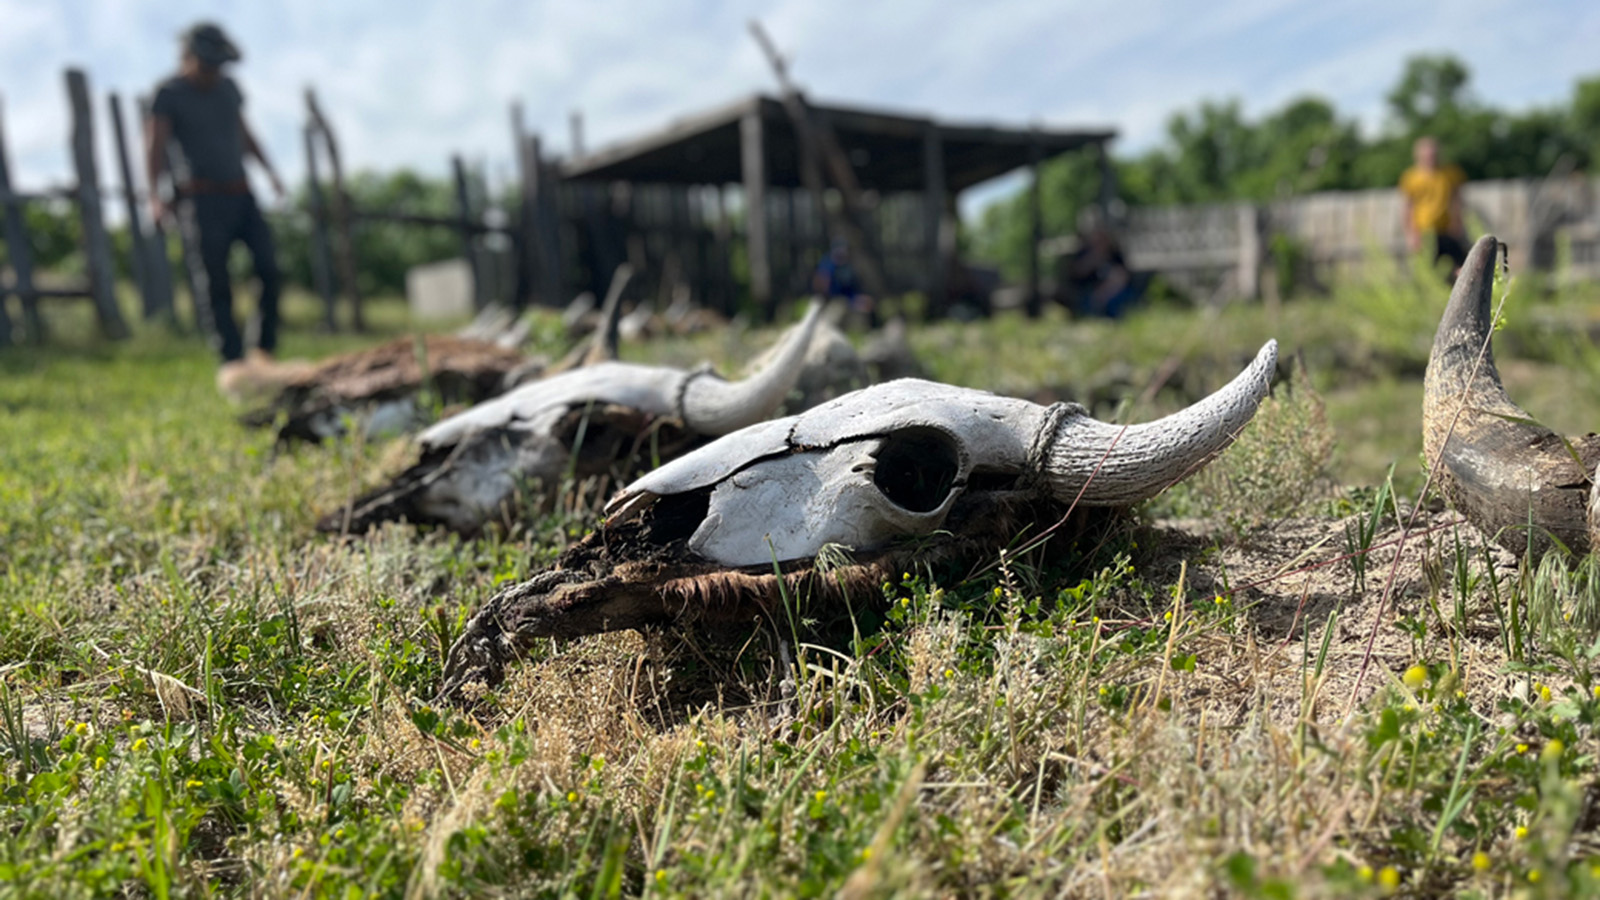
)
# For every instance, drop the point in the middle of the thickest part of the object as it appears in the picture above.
(836, 277)
(1098, 281)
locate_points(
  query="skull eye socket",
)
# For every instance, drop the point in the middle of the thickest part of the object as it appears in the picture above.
(917, 468)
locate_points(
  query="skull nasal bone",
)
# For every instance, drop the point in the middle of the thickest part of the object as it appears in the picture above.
(917, 468)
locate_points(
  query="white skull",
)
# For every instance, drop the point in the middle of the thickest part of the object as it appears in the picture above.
(891, 461)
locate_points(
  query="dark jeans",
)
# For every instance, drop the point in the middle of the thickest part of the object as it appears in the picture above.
(222, 219)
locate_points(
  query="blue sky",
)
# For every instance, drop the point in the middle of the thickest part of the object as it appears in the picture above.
(408, 83)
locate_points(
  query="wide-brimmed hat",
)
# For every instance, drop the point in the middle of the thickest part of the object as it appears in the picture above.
(209, 44)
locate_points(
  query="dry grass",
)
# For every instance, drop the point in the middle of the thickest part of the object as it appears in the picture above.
(202, 697)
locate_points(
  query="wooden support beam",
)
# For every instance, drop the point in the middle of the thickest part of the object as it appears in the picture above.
(547, 218)
(753, 164)
(20, 253)
(96, 243)
(1035, 299)
(523, 235)
(321, 251)
(933, 203)
(464, 219)
(344, 239)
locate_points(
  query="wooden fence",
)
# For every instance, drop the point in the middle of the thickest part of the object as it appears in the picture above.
(1225, 250)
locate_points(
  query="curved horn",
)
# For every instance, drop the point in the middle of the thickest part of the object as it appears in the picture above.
(713, 406)
(1496, 465)
(1115, 465)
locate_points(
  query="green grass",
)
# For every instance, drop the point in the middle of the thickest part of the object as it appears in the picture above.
(200, 696)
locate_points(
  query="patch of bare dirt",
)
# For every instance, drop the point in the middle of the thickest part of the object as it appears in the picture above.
(1291, 577)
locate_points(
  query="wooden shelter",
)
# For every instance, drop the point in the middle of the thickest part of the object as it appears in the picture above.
(910, 169)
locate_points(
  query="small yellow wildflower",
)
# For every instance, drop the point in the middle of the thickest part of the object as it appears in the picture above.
(1389, 878)
(99, 763)
(572, 796)
(139, 744)
(1481, 861)
(81, 728)
(1521, 749)
(191, 783)
(1365, 873)
(297, 853)
(821, 796)
(905, 601)
(474, 743)
(1552, 750)
(1544, 694)
(949, 673)
(1521, 833)
(1597, 692)
(1168, 615)
(866, 853)
(1534, 875)
(711, 793)
(1415, 677)
(661, 877)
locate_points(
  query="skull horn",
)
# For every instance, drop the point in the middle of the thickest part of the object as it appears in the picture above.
(716, 407)
(1494, 464)
(1115, 465)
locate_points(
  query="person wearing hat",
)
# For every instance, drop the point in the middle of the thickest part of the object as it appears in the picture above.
(202, 109)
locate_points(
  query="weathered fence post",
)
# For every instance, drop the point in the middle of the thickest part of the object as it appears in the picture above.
(469, 252)
(341, 213)
(97, 246)
(155, 284)
(321, 255)
(547, 219)
(194, 273)
(1250, 251)
(933, 194)
(20, 252)
(1035, 298)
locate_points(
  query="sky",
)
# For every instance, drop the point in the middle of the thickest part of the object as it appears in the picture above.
(409, 82)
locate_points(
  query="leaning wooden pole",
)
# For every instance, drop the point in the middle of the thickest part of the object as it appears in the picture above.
(321, 255)
(96, 243)
(523, 240)
(344, 240)
(816, 132)
(20, 252)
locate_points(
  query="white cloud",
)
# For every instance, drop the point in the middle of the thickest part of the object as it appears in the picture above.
(408, 84)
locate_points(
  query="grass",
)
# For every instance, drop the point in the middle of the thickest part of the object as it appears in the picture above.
(199, 696)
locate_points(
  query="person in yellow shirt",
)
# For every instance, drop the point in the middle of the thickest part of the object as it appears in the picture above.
(1433, 204)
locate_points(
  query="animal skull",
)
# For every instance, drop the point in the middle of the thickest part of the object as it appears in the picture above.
(1495, 464)
(581, 422)
(959, 470)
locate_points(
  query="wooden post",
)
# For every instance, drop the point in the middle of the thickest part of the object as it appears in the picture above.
(522, 241)
(1035, 299)
(753, 164)
(194, 270)
(321, 253)
(933, 193)
(96, 244)
(344, 243)
(547, 218)
(468, 251)
(21, 253)
(1250, 251)
(154, 292)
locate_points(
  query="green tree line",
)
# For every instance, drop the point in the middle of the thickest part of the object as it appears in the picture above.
(1214, 153)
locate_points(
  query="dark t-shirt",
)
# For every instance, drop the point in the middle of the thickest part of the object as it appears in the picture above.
(206, 124)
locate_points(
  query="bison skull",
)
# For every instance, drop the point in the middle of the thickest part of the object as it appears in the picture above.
(581, 422)
(958, 470)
